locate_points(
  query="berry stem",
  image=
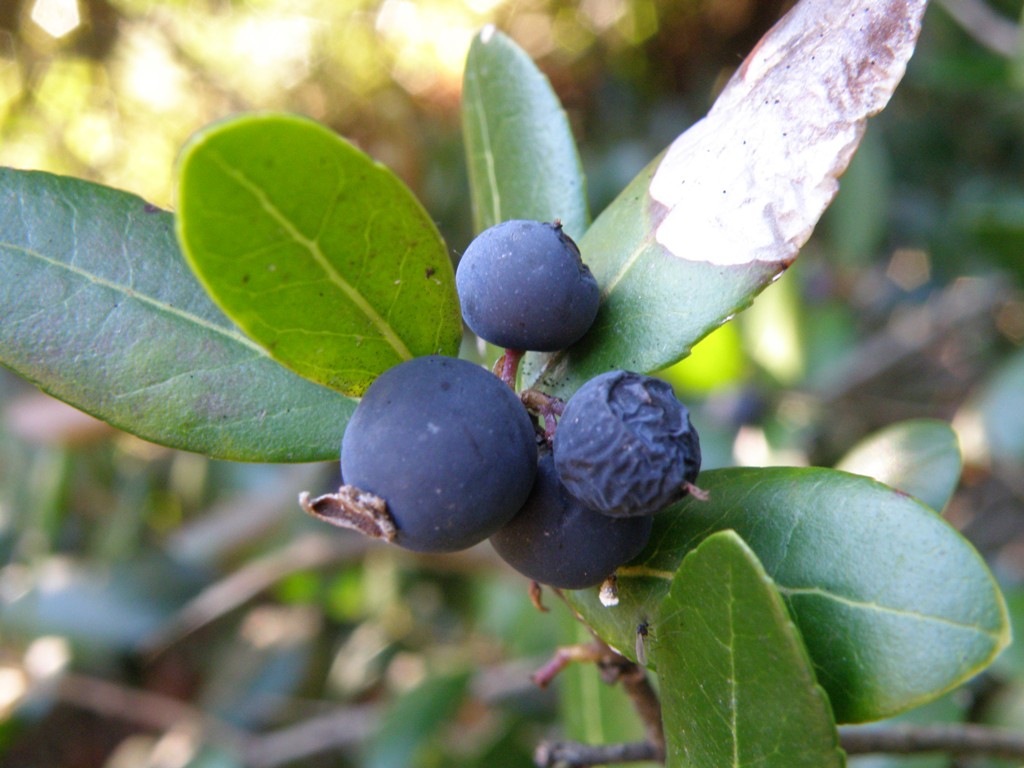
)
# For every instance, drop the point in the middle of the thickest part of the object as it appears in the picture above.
(507, 367)
(546, 406)
(564, 656)
(354, 509)
(698, 493)
(537, 596)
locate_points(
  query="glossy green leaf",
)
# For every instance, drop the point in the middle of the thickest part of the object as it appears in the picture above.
(865, 571)
(520, 151)
(723, 212)
(98, 308)
(654, 307)
(97, 608)
(994, 415)
(268, 659)
(1011, 663)
(318, 253)
(737, 686)
(991, 214)
(857, 222)
(920, 457)
(717, 364)
(414, 721)
(772, 332)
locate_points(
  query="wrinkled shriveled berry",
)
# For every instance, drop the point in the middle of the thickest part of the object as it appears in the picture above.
(625, 446)
(449, 448)
(523, 285)
(557, 541)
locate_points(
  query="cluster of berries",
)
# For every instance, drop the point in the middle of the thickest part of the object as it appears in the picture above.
(441, 454)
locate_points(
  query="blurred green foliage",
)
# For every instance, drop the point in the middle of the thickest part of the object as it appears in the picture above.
(148, 596)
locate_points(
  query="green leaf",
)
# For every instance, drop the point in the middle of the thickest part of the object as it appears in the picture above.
(717, 364)
(993, 417)
(251, 667)
(920, 457)
(726, 208)
(1011, 663)
(413, 722)
(737, 687)
(520, 151)
(773, 332)
(857, 222)
(318, 253)
(895, 607)
(98, 607)
(98, 308)
(654, 306)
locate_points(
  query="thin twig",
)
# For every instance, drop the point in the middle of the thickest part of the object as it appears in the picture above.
(570, 754)
(152, 711)
(573, 755)
(237, 523)
(912, 333)
(616, 668)
(307, 552)
(351, 725)
(952, 738)
(566, 655)
(344, 729)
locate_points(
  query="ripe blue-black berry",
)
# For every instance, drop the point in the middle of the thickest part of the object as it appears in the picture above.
(625, 446)
(447, 445)
(557, 541)
(523, 285)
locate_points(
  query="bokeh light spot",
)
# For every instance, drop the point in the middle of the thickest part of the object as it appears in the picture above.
(56, 18)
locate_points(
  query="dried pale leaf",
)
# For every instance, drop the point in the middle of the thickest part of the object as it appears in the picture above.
(749, 181)
(722, 213)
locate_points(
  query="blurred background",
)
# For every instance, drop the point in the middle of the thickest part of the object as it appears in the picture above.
(161, 609)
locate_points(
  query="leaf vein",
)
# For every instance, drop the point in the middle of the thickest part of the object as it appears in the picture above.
(313, 248)
(488, 153)
(134, 295)
(733, 685)
(872, 606)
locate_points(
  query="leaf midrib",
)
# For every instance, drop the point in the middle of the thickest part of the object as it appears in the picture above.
(733, 682)
(642, 571)
(132, 294)
(487, 151)
(900, 612)
(321, 260)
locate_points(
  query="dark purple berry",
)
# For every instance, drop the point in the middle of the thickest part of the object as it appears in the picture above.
(625, 446)
(523, 285)
(447, 445)
(557, 541)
